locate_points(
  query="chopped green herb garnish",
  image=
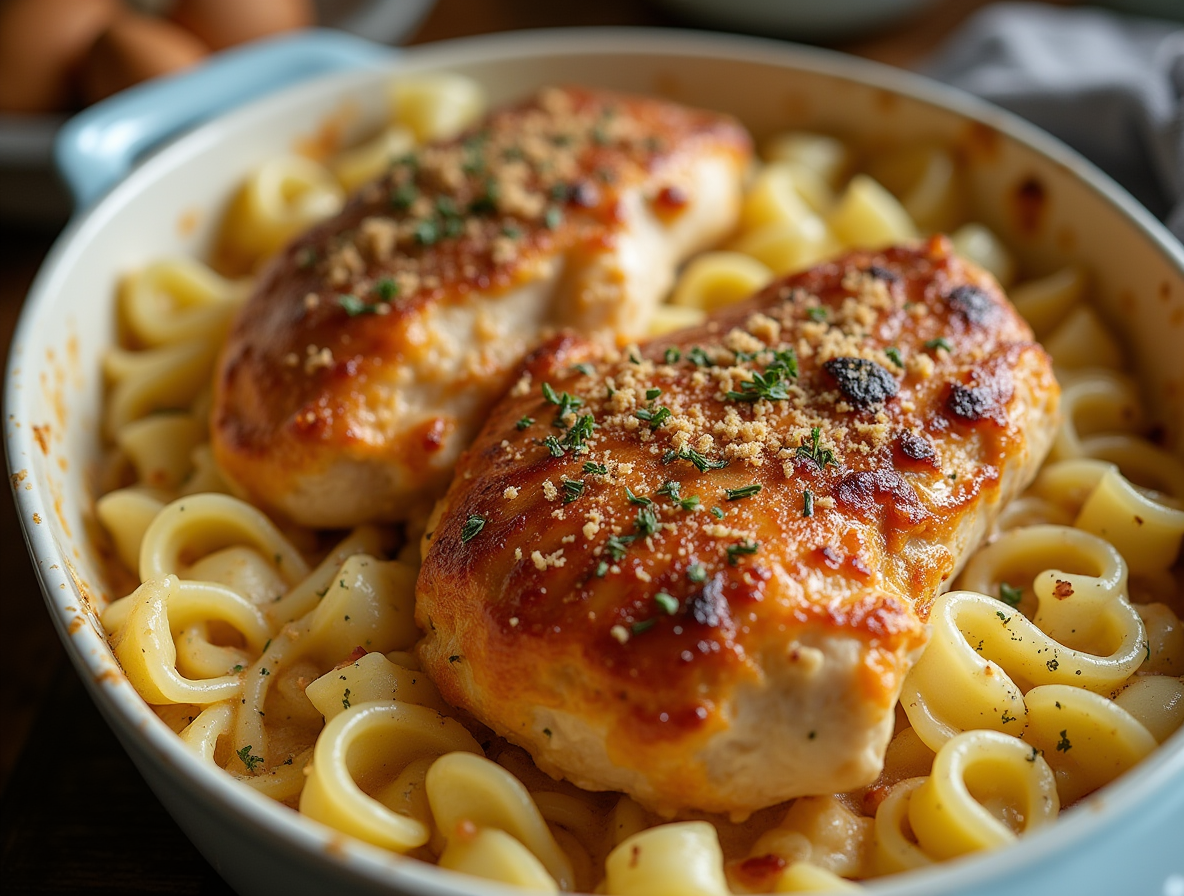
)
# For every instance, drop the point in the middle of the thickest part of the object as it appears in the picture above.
(702, 464)
(651, 394)
(647, 521)
(893, 354)
(345, 699)
(250, 761)
(472, 527)
(553, 217)
(386, 288)
(736, 551)
(745, 491)
(939, 342)
(769, 385)
(353, 306)
(821, 456)
(580, 432)
(717, 512)
(554, 447)
(807, 503)
(572, 489)
(668, 604)
(427, 233)
(1009, 594)
(644, 626)
(637, 499)
(1063, 745)
(698, 357)
(697, 573)
(1007, 717)
(593, 467)
(672, 355)
(617, 545)
(403, 195)
(601, 569)
(817, 313)
(655, 417)
(585, 368)
(524, 422)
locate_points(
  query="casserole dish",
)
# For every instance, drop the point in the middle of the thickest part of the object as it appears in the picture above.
(1047, 204)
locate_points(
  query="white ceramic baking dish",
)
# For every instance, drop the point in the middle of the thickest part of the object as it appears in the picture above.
(1049, 204)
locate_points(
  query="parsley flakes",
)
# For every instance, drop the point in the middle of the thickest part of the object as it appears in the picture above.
(472, 528)
(745, 491)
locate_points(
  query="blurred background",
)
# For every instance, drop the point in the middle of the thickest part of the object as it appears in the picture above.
(91, 825)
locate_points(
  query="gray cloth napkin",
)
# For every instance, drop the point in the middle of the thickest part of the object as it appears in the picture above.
(1111, 86)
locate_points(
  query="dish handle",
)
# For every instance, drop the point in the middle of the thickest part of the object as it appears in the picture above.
(96, 148)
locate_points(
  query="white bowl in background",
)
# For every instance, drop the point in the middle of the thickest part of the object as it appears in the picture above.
(1125, 839)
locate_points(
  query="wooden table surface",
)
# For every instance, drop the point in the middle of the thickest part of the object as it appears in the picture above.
(75, 815)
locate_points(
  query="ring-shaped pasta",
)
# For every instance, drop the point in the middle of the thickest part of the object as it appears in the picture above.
(1088, 740)
(284, 780)
(160, 448)
(203, 733)
(1156, 702)
(200, 524)
(178, 299)
(167, 378)
(126, 515)
(495, 855)
(1165, 640)
(1142, 463)
(895, 848)
(467, 789)
(364, 741)
(142, 626)
(947, 811)
(1147, 533)
(369, 678)
(1094, 401)
(1067, 483)
(679, 859)
(714, 280)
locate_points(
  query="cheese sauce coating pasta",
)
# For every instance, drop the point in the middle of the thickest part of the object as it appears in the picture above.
(285, 655)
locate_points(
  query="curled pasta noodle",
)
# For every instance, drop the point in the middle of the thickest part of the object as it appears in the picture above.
(204, 732)
(668, 318)
(774, 198)
(1142, 463)
(1092, 402)
(159, 379)
(466, 790)
(200, 524)
(284, 196)
(1082, 340)
(1085, 633)
(361, 164)
(1088, 740)
(949, 811)
(437, 106)
(979, 244)
(142, 626)
(868, 217)
(495, 855)
(367, 743)
(679, 859)
(126, 515)
(926, 179)
(716, 279)
(1156, 702)
(896, 847)
(1165, 640)
(372, 677)
(802, 877)
(178, 300)
(789, 246)
(160, 448)
(822, 831)
(1147, 533)
(827, 156)
(1046, 301)
(307, 593)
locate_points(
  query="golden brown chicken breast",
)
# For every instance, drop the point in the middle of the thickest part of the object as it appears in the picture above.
(698, 571)
(371, 348)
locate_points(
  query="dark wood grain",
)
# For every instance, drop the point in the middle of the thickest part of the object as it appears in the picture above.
(75, 816)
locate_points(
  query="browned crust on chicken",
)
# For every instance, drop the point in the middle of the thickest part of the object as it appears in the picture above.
(566, 578)
(340, 324)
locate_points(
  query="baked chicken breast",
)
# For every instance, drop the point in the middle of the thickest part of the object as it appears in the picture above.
(697, 571)
(371, 347)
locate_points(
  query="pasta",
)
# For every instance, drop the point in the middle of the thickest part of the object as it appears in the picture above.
(1054, 666)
